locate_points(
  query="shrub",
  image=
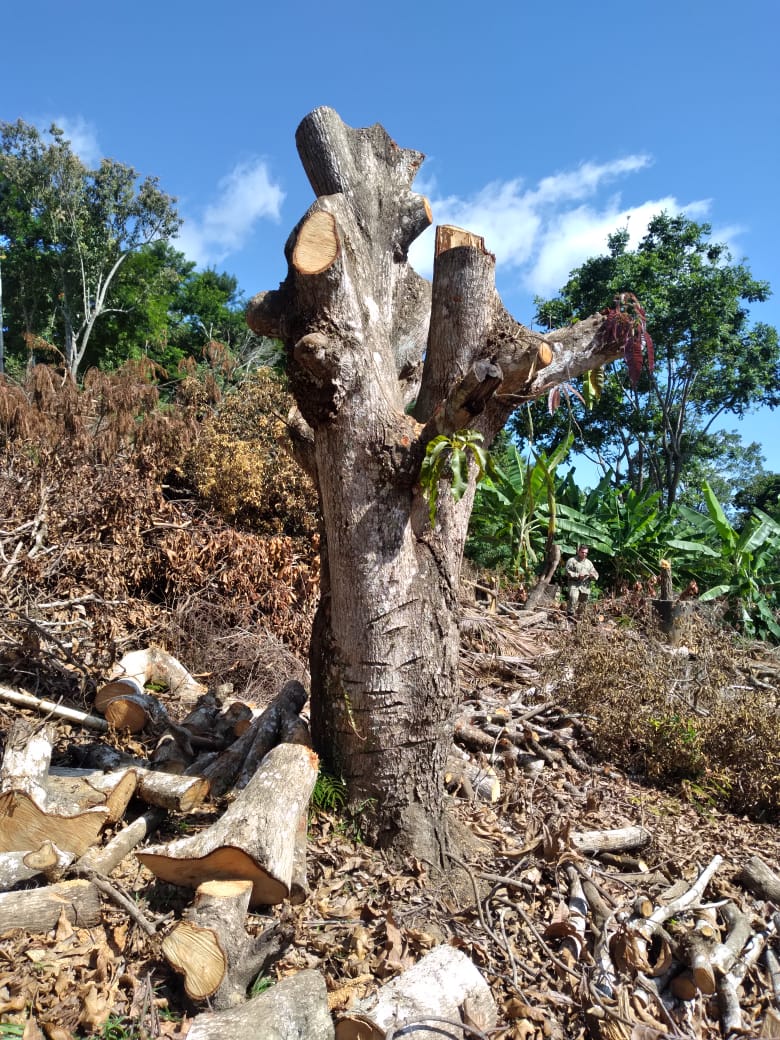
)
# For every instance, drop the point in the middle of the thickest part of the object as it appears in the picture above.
(242, 468)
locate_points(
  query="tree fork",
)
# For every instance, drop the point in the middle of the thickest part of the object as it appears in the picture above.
(380, 362)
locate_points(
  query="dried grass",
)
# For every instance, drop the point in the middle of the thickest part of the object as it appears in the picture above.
(681, 716)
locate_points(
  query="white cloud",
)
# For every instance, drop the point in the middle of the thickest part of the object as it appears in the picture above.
(246, 195)
(82, 136)
(542, 232)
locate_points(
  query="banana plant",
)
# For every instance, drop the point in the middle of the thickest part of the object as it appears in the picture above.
(514, 518)
(740, 565)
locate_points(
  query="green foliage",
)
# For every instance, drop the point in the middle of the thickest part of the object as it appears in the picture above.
(709, 360)
(261, 984)
(741, 566)
(513, 520)
(330, 793)
(448, 459)
(68, 231)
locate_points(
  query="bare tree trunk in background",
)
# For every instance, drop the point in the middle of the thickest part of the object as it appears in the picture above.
(357, 322)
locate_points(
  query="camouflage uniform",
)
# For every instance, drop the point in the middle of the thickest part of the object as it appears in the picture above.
(579, 573)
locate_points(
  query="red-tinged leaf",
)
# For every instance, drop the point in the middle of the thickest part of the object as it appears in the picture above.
(633, 355)
(650, 352)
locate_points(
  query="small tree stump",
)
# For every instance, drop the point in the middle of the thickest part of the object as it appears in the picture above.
(211, 949)
(255, 837)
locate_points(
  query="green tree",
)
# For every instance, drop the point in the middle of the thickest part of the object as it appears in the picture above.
(762, 492)
(68, 233)
(710, 361)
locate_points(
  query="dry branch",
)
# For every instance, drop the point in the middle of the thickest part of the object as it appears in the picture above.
(47, 707)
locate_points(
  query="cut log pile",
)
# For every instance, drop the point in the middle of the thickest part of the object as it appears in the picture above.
(252, 855)
(573, 918)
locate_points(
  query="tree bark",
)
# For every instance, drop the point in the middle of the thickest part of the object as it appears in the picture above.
(296, 1007)
(357, 322)
(38, 910)
(255, 837)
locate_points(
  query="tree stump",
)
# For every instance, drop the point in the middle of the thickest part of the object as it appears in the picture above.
(211, 949)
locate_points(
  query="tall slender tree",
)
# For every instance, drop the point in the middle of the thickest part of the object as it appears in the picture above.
(68, 232)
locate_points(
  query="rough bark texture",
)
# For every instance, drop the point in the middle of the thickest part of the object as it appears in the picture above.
(296, 1007)
(38, 909)
(255, 837)
(357, 322)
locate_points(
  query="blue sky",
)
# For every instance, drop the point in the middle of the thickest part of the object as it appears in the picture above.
(545, 126)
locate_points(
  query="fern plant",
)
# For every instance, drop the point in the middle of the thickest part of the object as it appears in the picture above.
(330, 793)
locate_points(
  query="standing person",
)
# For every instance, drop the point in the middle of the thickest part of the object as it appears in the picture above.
(580, 572)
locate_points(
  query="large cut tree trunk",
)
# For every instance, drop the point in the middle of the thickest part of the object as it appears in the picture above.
(357, 322)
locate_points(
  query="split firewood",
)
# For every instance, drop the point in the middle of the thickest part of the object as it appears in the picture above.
(255, 837)
(211, 949)
(30, 812)
(757, 878)
(151, 665)
(444, 986)
(294, 1008)
(47, 707)
(38, 910)
(237, 764)
(47, 860)
(165, 790)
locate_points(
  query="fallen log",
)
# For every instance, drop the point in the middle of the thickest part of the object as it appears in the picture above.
(437, 989)
(255, 837)
(295, 1008)
(757, 878)
(237, 764)
(211, 949)
(621, 839)
(38, 910)
(165, 790)
(104, 860)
